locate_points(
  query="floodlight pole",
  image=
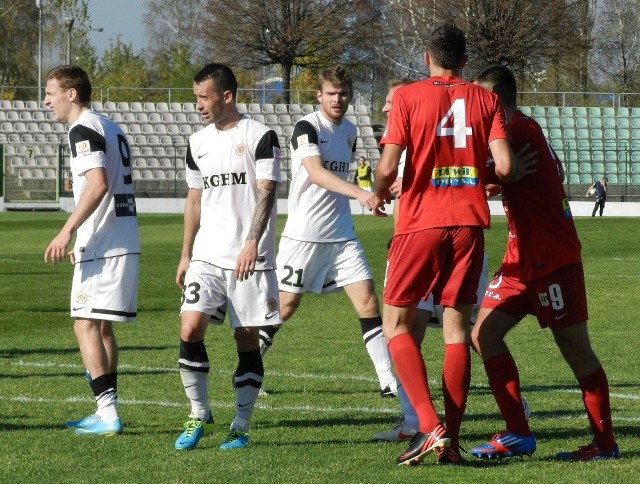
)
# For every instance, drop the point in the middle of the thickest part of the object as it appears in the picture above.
(39, 7)
(68, 23)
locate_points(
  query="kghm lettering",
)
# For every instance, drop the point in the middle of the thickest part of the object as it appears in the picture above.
(455, 176)
(337, 166)
(224, 179)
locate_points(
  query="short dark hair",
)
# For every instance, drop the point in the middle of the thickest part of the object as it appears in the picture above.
(73, 77)
(447, 46)
(337, 75)
(499, 79)
(223, 77)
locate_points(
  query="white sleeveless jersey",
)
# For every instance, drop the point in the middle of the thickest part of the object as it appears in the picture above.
(225, 165)
(317, 214)
(112, 229)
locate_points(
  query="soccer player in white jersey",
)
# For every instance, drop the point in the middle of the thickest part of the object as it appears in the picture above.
(319, 251)
(107, 248)
(228, 251)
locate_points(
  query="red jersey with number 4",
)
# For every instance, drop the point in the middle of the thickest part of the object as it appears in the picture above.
(445, 124)
(542, 234)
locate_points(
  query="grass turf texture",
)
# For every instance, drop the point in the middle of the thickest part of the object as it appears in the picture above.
(324, 404)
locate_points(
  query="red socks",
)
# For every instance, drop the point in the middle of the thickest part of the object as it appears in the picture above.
(456, 377)
(595, 395)
(504, 381)
(413, 375)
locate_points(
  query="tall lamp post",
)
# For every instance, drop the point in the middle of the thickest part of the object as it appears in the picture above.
(39, 7)
(68, 24)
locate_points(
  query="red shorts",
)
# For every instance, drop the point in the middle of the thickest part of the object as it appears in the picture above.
(558, 299)
(444, 261)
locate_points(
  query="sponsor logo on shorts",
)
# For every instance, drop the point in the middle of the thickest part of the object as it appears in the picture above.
(272, 308)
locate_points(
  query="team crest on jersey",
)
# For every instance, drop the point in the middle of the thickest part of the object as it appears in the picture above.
(241, 149)
(303, 139)
(83, 148)
(81, 298)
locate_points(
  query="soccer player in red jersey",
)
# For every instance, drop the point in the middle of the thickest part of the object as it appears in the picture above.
(542, 275)
(445, 124)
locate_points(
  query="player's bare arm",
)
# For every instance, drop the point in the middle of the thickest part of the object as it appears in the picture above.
(92, 195)
(191, 226)
(246, 261)
(505, 159)
(386, 174)
(322, 177)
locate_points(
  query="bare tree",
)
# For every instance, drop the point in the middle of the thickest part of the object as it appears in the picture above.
(176, 25)
(618, 44)
(288, 33)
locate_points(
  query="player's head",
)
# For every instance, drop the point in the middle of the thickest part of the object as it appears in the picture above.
(447, 47)
(215, 87)
(393, 86)
(362, 161)
(500, 80)
(334, 92)
(222, 76)
(68, 87)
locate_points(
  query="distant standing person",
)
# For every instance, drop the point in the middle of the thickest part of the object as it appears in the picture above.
(599, 189)
(107, 248)
(319, 251)
(363, 175)
(228, 250)
(446, 125)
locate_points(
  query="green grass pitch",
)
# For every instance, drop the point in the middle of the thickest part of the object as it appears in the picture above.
(323, 407)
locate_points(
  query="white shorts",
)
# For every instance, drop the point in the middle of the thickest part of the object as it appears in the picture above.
(106, 289)
(320, 267)
(252, 302)
(436, 311)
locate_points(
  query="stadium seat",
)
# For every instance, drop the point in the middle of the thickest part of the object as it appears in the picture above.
(608, 112)
(635, 134)
(586, 179)
(613, 179)
(610, 168)
(573, 179)
(182, 175)
(568, 122)
(167, 118)
(18, 105)
(295, 109)
(128, 117)
(555, 133)
(622, 122)
(566, 111)
(594, 111)
(37, 173)
(553, 112)
(597, 168)
(610, 134)
(5, 105)
(281, 108)
(173, 130)
(135, 129)
(153, 163)
(136, 107)
(242, 108)
(185, 130)
(526, 110)
(116, 117)
(539, 112)
(370, 143)
(608, 122)
(25, 116)
(147, 129)
(595, 122)
(160, 129)
(39, 117)
(271, 119)
(162, 107)
(635, 179)
(287, 130)
(49, 174)
(170, 175)
(259, 117)
(139, 163)
(267, 108)
(123, 106)
(141, 117)
(175, 107)
(16, 162)
(276, 128)
(188, 108)
(254, 108)
(24, 173)
(158, 175)
(284, 120)
(154, 117)
(581, 122)
(308, 108)
(553, 122)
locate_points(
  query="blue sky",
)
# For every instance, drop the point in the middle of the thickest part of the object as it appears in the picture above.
(123, 17)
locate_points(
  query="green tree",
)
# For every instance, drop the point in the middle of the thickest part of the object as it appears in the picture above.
(172, 68)
(19, 41)
(120, 67)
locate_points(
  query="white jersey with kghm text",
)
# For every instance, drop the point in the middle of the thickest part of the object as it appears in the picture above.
(225, 165)
(112, 228)
(316, 214)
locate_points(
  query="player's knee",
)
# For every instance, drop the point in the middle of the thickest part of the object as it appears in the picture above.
(247, 339)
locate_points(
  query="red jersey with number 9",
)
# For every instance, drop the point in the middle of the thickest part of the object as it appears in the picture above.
(445, 124)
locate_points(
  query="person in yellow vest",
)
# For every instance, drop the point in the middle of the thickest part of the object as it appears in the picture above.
(363, 175)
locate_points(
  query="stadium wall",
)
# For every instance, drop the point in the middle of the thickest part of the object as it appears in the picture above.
(176, 205)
